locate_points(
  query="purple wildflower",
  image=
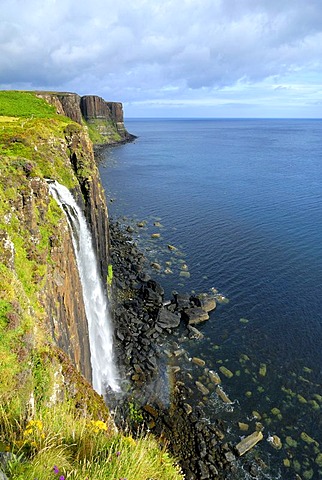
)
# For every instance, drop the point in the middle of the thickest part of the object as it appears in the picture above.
(56, 469)
(62, 477)
(118, 453)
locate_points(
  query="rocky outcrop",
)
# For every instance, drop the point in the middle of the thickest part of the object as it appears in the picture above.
(103, 118)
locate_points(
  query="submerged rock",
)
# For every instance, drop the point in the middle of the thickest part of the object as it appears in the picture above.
(306, 438)
(263, 369)
(184, 273)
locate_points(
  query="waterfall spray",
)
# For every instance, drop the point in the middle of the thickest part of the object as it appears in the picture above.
(97, 313)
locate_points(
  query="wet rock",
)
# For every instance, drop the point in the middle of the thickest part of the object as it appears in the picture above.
(195, 315)
(243, 426)
(205, 301)
(182, 301)
(143, 324)
(275, 441)
(204, 390)
(155, 235)
(275, 411)
(256, 415)
(248, 443)
(194, 333)
(214, 377)
(171, 247)
(230, 457)
(175, 369)
(188, 408)
(204, 472)
(198, 361)
(225, 371)
(221, 394)
(259, 426)
(156, 266)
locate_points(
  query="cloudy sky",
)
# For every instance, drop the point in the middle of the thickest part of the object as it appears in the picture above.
(165, 58)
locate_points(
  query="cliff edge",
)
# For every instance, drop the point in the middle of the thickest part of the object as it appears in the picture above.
(104, 120)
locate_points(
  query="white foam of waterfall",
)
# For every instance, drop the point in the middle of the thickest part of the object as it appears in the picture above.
(98, 316)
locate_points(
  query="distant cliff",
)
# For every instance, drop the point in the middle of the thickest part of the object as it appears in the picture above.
(104, 120)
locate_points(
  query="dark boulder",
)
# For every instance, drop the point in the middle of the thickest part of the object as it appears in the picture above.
(194, 315)
(167, 319)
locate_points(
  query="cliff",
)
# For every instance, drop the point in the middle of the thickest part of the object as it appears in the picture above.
(104, 120)
(51, 420)
(41, 294)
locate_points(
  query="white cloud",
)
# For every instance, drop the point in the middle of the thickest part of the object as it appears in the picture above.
(165, 49)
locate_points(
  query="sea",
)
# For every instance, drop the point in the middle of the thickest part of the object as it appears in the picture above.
(241, 202)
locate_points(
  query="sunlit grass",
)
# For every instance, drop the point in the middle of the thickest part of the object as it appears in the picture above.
(61, 444)
(24, 104)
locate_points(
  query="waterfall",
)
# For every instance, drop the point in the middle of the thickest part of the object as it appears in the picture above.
(97, 313)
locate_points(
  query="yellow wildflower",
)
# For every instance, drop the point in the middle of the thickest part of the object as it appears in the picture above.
(130, 441)
(98, 426)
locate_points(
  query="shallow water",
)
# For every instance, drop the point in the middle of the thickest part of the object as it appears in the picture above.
(242, 202)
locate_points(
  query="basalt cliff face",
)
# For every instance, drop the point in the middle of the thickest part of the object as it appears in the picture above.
(66, 314)
(104, 119)
(41, 301)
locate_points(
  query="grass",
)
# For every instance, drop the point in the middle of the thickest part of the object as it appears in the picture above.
(102, 132)
(24, 104)
(58, 443)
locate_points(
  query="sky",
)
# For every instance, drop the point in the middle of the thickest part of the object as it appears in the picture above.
(170, 58)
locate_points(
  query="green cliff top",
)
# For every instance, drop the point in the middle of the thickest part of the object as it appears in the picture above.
(24, 104)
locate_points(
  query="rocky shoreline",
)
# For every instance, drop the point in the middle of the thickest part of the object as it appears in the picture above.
(162, 393)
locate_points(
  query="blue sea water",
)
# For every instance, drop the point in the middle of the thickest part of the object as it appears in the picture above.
(242, 202)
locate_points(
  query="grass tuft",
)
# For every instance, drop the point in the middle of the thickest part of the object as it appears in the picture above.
(58, 443)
